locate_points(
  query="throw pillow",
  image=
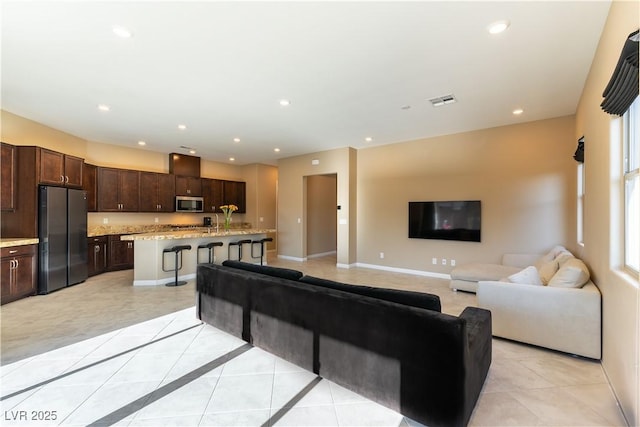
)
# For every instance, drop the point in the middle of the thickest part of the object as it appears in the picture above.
(552, 254)
(563, 257)
(573, 274)
(528, 276)
(546, 270)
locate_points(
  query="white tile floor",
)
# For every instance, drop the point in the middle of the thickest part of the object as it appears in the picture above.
(173, 370)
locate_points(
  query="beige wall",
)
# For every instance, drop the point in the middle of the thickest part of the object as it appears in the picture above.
(603, 215)
(292, 199)
(261, 179)
(524, 175)
(321, 214)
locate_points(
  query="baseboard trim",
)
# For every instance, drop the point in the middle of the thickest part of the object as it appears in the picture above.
(320, 255)
(163, 281)
(404, 270)
(292, 258)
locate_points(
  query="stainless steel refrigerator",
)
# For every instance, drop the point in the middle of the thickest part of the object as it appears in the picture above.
(62, 230)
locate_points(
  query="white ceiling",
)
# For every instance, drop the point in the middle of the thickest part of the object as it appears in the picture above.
(221, 68)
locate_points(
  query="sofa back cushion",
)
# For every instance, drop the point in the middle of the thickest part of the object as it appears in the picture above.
(412, 299)
(283, 273)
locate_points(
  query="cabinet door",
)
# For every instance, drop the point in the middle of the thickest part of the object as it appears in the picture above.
(148, 192)
(188, 186)
(8, 160)
(6, 276)
(166, 192)
(235, 193)
(89, 180)
(120, 253)
(73, 167)
(129, 190)
(212, 191)
(96, 255)
(18, 275)
(108, 183)
(51, 167)
(25, 276)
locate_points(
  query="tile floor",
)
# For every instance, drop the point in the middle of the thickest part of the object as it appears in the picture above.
(103, 353)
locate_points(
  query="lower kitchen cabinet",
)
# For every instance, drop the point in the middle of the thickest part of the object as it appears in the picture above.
(120, 254)
(18, 272)
(97, 257)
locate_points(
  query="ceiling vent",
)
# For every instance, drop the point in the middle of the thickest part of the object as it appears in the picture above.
(442, 100)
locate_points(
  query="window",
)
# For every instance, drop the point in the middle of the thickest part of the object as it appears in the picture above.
(631, 141)
(580, 206)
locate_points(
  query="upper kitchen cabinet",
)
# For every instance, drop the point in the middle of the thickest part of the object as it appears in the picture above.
(118, 190)
(234, 193)
(188, 186)
(90, 185)
(60, 169)
(8, 159)
(212, 191)
(157, 192)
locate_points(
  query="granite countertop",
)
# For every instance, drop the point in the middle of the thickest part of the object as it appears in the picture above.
(195, 233)
(10, 242)
(106, 230)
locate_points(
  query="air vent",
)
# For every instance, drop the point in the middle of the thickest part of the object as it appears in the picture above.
(442, 100)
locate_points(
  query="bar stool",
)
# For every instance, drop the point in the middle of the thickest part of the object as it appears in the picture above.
(178, 263)
(239, 244)
(260, 242)
(212, 253)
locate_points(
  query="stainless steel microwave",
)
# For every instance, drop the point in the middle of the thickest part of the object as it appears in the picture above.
(189, 204)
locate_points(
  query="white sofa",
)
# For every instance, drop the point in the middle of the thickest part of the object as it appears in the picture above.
(554, 305)
(465, 277)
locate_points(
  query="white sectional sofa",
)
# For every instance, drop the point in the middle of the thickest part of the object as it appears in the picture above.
(545, 300)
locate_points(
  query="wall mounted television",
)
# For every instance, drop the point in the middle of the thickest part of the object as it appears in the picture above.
(450, 220)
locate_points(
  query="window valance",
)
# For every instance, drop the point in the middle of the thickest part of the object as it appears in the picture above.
(622, 89)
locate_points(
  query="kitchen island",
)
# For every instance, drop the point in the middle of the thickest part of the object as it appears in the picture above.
(149, 247)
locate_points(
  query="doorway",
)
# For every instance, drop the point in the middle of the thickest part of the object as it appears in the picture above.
(321, 216)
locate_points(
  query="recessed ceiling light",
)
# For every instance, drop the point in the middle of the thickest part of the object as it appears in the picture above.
(182, 127)
(518, 111)
(104, 107)
(368, 139)
(277, 150)
(405, 107)
(285, 102)
(122, 32)
(236, 139)
(192, 151)
(232, 159)
(498, 26)
(142, 143)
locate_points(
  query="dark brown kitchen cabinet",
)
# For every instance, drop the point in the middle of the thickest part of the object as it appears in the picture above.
(60, 169)
(97, 254)
(157, 192)
(212, 191)
(188, 186)
(9, 163)
(120, 253)
(234, 193)
(17, 272)
(89, 184)
(118, 190)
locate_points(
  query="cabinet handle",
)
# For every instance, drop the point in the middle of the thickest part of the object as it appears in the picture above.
(188, 191)
(61, 178)
(66, 179)
(97, 248)
(13, 251)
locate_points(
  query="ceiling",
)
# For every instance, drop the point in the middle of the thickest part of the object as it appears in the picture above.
(351, 70)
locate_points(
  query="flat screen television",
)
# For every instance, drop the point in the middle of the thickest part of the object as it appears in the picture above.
(451, 220)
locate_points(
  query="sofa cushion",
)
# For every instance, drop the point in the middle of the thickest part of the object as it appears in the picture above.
(283, 273)
(573, 274)
(546, 269)
(475, 272)
(528, 276)
(413, 299)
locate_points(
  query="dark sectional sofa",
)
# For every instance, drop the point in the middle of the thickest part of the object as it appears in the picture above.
(393, 347)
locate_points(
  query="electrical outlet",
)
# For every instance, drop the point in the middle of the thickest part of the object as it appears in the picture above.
(299, 220)
(155, 220)
(444, 261)
(381, 255)
(453, 263)
(261, 219)
(434, 261)
(105, 220)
